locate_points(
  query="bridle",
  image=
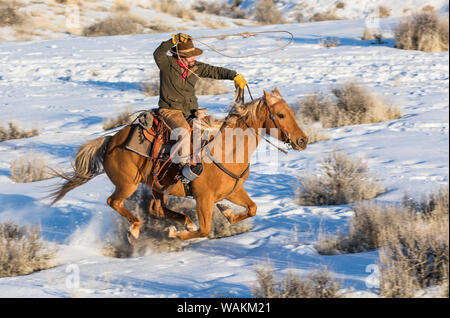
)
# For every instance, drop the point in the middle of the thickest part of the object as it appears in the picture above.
(286, 137)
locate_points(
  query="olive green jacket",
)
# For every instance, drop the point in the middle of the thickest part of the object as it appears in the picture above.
(178, 93)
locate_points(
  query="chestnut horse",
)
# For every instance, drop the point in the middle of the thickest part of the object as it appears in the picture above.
(218, 181)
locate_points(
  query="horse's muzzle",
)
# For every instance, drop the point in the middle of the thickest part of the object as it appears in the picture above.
(300, 143)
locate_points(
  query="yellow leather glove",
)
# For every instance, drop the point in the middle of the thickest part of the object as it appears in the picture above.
(240, 82)
(180, 38)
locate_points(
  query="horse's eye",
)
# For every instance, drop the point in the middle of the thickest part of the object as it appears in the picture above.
(280, 115)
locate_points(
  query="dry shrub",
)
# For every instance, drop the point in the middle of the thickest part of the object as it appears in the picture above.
(209, 86)
(15, 133)
(115, 25)
(9, 14)
(219, 9)
(384, 12)
(153, 236)
(29, 169)
(324, 16)
(342, 181)
(425, 31)
(318, 284)
(429, 8)
(350, 105)
(413, 239)
(266, 12)
(340, 5)
(330, 43)
(22, 251)
(365, 229)
(121, 6)
(415, 253)
(171, 7)
(124, 118)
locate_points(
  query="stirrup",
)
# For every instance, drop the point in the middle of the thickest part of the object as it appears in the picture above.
(190, 173)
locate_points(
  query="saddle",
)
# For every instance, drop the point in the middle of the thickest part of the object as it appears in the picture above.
(150, 136)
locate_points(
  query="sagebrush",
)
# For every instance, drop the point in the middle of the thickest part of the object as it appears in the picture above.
(29, 169)
(266, 12)
(118, 24)
(13, 132)
(22, 251)
(424, 31)
(350, 105)
(318, 284)
(10, 15)
(413, 239)
(342, 180)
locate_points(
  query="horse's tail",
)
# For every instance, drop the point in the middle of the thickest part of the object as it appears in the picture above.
(88, 164)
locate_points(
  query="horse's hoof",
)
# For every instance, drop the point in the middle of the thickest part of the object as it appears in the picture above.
(171, 232)
(226, 210)
(135, 229)
(192, 227)
(131, 239)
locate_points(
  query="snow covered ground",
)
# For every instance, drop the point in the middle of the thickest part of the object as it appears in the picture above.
(68, 87)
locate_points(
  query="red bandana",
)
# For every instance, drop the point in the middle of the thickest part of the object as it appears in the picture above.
(185, 73)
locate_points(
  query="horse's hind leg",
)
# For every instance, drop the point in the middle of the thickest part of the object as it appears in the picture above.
(116, 201)
(158, 208)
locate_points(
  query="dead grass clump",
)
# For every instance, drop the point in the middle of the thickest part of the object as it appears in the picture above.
(15, 133)
(350, 105)
(115, 25)
(318, 284)
(22, 251)
(340, 5)
(29, 169)
(384, 12)
(219, 9)
(425, 31)
(342, 181)
(124, 118)
(121, 6)
(209, 86)
(171, 7)
(266, 12)
(324, 16)
(153, 237)
(9, 14)
(330, 43)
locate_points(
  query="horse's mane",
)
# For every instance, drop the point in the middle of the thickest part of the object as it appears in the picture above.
(247, 112)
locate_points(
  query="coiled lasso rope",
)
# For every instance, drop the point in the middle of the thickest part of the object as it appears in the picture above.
(244, 35)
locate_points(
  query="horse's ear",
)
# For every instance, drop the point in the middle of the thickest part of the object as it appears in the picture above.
(276, 92)
(267, 95)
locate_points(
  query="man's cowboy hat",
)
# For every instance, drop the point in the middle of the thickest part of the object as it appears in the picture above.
(186, 49)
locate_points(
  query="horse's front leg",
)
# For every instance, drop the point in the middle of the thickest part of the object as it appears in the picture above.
(205, 205)
(241, 198)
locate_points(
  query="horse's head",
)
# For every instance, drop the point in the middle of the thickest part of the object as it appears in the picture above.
(281, 116)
